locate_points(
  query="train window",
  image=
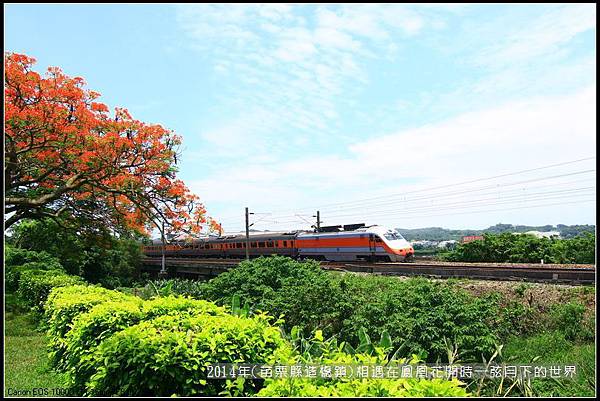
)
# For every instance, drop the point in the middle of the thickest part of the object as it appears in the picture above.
(392, 235)
(285, 244)
(253, 245)
(261, 244)
(269, 244)
(377, 239)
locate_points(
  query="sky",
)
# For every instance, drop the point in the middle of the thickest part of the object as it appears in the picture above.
(456, 116)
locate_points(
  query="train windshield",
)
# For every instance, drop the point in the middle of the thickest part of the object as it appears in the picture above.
(393, 236)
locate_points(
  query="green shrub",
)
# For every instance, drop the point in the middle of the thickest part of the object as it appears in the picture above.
(64, 304)
(13, 273)
(520, 248)
(103, 320)
(569, 319)
(17, 260)
(518, 319)
(35, 285)
(14, 256)
(418, 313)
(175, 286)
(320, 352)
(301, 291)
(552, 348)
(96, 255)
(168, 355)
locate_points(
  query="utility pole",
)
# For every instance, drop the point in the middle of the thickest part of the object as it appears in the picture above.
(248, 234)
(318, 221)
(318, 226)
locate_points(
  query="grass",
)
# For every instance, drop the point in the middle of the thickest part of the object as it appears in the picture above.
(547, 349)
(551, 348)
(26, 369)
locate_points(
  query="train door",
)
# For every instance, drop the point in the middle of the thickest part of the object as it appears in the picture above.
(372, 247)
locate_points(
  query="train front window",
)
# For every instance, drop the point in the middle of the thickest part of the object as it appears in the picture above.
(393, 236)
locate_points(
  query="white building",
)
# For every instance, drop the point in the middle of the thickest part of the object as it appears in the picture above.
(543, 234)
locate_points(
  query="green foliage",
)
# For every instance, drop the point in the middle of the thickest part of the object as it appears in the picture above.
(419, 315)
(13, 273)
(518, 318)
(517, 248)
(168, 355)
(553, 348)
(18, 260)
(300, 291)
(35, 286)
(416, 313)
(99, 257)
(441, 234)
(64, 304)
(174, 286)
(89, 329)
(569, 319)
(328, 352)
(14, 256)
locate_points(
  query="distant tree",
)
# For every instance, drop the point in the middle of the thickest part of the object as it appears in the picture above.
(99, 256)
(67, 157)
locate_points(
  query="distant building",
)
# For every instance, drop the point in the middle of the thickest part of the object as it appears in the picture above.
(469, 238)
(543, 234)
(447, 244)
(424, 244)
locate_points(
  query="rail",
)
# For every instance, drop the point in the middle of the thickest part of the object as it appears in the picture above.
(566, 274)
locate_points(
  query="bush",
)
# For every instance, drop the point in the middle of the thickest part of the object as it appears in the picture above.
(35, 286)
(13, 273)
(418, 314)
(319, 352)
(569, 319)
(175, 286)
(551, 348)
(168, 355)
(18, 260)
(14, 256)
(301, 291)
(520, 248)
(103, 320)
(64, 304)
(97, 256)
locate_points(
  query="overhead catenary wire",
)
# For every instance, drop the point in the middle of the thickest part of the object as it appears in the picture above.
(324, 206)
(408, 202)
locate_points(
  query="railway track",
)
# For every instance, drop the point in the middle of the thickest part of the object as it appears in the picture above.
(565, 274)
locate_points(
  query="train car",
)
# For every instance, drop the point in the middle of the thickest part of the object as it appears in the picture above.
(373, 243)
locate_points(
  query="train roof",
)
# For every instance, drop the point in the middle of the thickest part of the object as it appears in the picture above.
(282, 235)
(236, 237)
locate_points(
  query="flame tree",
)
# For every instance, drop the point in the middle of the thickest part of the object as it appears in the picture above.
(66, 156)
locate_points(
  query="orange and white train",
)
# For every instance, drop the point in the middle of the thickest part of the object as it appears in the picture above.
(347, 244)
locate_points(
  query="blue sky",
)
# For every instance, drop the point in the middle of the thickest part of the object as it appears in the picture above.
(290, 109)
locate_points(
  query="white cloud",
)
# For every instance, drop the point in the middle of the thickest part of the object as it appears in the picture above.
(517, 135)
(542, 37)
(300, 75)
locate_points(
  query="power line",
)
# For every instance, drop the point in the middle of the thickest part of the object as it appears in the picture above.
(462, 192)
(323, 206)
(517, 198)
